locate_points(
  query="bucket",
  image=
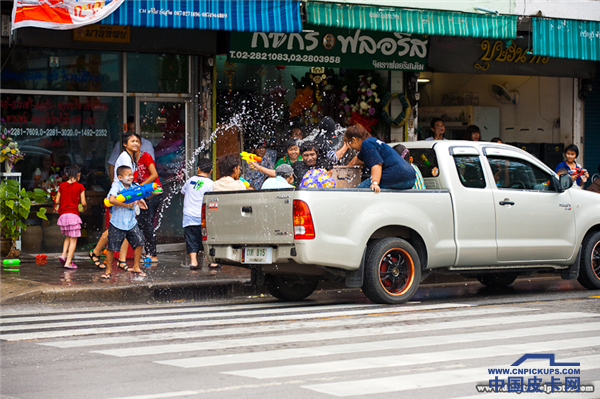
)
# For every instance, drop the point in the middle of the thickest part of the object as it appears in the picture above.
(346, 176)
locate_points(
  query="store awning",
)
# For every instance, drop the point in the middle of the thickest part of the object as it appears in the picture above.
(566, 38)
(425, 22)
(226, 15)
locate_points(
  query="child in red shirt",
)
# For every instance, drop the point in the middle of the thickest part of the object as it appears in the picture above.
(70, 194)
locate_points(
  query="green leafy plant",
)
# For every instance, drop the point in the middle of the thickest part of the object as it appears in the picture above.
(15, 206)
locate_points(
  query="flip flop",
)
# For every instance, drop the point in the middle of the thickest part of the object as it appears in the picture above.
(120, 264)
(97, 262)
(140, 273)
(105, 276)
(62, 260)
(71, 266)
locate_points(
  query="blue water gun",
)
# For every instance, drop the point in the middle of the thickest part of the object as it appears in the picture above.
(136, 193)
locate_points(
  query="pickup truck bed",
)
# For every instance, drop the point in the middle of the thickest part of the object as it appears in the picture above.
(468, 221)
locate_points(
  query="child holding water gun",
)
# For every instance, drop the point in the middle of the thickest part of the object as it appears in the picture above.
(70, 195)
(194, 190)
(123, 224)
(578, 174)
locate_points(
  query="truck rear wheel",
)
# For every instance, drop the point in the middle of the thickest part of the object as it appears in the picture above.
(589, 271)
(289, 289)
(497, 279)
(392, 272)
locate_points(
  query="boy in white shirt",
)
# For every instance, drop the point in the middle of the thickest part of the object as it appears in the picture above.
(194, 190)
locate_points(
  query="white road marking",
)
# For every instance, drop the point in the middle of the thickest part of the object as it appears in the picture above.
(213, 321)
(434, 379)
(172, 310)
(328, 350)
(253, 330)
(414, 359)
(330, 335)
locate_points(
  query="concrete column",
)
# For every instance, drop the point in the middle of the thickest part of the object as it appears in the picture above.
(397, 86)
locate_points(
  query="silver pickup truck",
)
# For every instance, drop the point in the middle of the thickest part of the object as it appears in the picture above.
(490, 211)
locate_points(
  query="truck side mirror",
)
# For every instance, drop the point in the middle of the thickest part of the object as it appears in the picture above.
(564, 182)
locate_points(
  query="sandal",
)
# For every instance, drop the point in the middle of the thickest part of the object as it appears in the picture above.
(96, 259)
(122, 265)
(105, 276)
(139, 273)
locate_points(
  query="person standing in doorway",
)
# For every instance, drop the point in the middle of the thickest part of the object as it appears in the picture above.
(437, 129)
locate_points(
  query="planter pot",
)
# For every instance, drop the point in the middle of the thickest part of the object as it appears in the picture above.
(5, 246)
(53, 239)
(32, 238)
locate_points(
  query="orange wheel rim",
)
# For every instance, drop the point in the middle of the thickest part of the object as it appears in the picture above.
(396, 271)
(596, 259)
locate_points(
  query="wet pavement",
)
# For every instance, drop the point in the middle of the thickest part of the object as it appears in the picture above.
(171, 279)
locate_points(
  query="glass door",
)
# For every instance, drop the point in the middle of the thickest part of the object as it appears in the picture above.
(163, 122)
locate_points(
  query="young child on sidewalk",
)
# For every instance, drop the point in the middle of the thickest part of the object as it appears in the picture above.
(123, 223)
(70, 194)
(194, 190)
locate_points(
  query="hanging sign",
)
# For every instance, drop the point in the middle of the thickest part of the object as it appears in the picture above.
(103, 33)
(333, 48)
(61, 14)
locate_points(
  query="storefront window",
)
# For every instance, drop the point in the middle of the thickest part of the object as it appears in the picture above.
(57, 131)
(157, 73)
(55, 69)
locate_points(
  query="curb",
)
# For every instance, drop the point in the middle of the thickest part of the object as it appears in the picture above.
(17, 291)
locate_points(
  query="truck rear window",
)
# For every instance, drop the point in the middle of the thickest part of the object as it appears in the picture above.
(426, 160)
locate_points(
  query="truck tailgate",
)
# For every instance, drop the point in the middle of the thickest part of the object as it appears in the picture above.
(250, 217)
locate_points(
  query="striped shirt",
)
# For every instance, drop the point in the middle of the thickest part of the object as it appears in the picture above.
(419, 182)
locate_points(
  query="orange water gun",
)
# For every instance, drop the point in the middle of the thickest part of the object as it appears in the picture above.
(246, 156)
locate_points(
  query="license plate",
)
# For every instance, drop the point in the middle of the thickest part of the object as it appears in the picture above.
(257, 255)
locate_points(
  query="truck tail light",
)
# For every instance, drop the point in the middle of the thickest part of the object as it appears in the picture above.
(203, 223)
(303, 223)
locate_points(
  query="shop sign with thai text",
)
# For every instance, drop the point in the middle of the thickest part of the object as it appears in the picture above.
(102, 33)
(500, 57)
(333, 48)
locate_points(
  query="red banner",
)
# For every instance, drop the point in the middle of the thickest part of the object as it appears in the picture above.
(61, 14)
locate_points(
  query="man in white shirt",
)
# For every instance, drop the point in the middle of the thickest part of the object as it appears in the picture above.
(284, 177)
(438, 129)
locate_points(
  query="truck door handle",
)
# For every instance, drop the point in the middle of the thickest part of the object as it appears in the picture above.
(506, 202)
(246, 209)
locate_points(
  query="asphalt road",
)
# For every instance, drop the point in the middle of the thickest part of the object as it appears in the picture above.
(336, 344)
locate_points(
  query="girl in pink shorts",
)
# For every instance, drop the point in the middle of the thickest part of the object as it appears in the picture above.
(70, 194)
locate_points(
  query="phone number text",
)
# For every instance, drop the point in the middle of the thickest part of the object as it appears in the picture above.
(255, 55)
(58, 132)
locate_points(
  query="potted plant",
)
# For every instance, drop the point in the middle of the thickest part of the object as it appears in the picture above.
(15, 206)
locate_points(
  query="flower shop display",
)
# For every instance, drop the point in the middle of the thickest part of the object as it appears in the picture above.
(9, 150)
(360, 99)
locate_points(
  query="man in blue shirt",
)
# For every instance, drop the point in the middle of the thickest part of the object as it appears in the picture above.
(388, 169)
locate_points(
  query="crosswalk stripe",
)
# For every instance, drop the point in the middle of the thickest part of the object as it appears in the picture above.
(328, 335)
(295, 353)
(213, 321)
(428, 380)
(414, 359)
(277, 328)
(203, 314)
(4, 320)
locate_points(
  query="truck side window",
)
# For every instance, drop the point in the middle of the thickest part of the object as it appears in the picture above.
(519, 174)
(469, 171)
(426, 160)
